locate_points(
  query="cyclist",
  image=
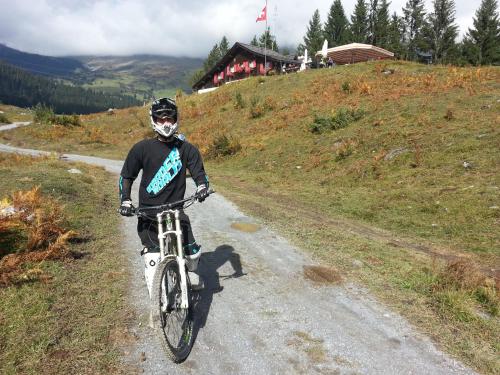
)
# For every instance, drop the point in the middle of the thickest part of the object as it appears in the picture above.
(163, 161)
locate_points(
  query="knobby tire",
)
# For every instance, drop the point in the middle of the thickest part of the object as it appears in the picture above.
(175, 327)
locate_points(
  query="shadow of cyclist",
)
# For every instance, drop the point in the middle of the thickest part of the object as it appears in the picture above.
(208, 267)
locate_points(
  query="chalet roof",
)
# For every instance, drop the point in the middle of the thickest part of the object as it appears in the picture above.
(234, 51)
(356, 52)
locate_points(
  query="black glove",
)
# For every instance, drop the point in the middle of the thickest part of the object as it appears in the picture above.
(201, 192)
(126, 208)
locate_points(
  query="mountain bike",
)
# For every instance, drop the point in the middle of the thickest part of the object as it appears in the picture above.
(172, 298)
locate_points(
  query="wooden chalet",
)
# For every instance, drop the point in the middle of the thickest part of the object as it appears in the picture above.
(354, 53)
(242, 61)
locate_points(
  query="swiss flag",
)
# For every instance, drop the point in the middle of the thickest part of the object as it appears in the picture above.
(263, 15)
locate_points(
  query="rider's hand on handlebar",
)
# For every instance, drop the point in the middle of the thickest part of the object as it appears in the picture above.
(201, 192)
(126, 208)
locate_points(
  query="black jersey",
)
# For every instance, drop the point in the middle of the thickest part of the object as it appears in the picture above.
(163, 166)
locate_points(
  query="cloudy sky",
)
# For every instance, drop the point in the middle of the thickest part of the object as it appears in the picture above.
(166, 27)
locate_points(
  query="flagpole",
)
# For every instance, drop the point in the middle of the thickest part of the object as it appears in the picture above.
(265, 44)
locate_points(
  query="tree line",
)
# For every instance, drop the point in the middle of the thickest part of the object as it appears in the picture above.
(412, 34)
(23, 89)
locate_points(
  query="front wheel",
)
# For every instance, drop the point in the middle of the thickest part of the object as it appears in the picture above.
(173, 323)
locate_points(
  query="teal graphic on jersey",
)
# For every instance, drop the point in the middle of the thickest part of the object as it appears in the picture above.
(167, 172)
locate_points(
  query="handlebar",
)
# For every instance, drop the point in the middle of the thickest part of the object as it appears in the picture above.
(169, 206)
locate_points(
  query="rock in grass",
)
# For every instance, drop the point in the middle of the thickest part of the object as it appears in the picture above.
(393, 153)
(75, 171)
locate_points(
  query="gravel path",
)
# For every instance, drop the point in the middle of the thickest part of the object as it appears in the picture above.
(260, 315)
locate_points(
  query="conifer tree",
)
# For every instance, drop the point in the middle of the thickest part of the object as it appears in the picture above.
(254, 41)
(313, 40)
(266, 39)
(359, 22)
(337, 26)
(414, 23)
(482, 42)
(441, 31)
(382, 24)
(212, 58)
(223, 46)
(372, 21)
(395, 36)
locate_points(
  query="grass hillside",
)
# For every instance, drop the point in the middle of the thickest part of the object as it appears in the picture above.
(62, 278)
(388, 172)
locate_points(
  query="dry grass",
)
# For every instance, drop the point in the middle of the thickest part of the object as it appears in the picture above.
(41, 220)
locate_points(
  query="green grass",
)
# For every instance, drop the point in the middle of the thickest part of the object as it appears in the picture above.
(66, 324)
(14, 114)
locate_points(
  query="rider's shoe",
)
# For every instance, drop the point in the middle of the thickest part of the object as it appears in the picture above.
(196, 281)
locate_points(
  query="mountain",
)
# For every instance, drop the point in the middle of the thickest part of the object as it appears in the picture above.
(24, 89)
(60, 67)
(142, 76)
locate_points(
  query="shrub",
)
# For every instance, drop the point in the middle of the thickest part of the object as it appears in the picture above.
(341, 119)
(256, 108)
(43, 114)
(239, 102)
(345, 149)
(346, 87)
(223, 146)
(4, 119)
(64, 120)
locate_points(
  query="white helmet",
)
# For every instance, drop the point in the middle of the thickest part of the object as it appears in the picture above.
(163, 114)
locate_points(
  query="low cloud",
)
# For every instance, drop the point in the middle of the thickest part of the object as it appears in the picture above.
(178, 28)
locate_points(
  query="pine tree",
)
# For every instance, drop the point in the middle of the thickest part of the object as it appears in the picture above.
(414, 23)
(254, 41)
(266, 39)
(313, 40)
(212, 58)
(381, 26)
(372, 21)
(337, 26)
(482, 43)
(359, 22)
(223, 46)
(395, 36)
(441, 31)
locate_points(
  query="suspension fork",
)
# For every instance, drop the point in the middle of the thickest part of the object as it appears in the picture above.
(181, 261)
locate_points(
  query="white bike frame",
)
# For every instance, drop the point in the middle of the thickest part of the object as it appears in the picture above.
(173, 227)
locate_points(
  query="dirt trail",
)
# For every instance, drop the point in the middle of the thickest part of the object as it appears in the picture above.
(259, 314)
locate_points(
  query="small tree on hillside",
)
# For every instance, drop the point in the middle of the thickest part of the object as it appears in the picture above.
(313, 40)
(359, 22)
(482, 42)
(337, 26)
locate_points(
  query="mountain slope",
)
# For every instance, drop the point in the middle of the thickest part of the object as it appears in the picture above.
(143, 76)
(60, 67)
(21, 88)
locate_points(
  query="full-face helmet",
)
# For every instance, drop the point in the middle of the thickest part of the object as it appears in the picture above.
(163, 114)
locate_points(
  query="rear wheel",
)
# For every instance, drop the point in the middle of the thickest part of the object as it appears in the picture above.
(173, 323)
